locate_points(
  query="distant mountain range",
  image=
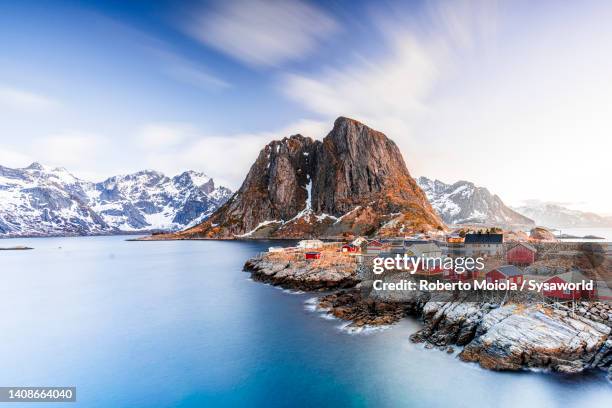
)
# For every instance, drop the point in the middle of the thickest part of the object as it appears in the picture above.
(42, 201)
(465, 203)
(556, 216)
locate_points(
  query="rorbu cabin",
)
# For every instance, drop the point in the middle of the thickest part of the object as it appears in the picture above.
(312, 255)
(350, 248)
(573, 276)
(374, 247)
(521, 255)
(506, 273)
(483, 244)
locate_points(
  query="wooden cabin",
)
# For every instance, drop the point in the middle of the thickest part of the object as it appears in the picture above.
(574, 276)
(484, 244)
(374, 247)
(521, 255)
(312, 255)
(506, 273)
(350, 248)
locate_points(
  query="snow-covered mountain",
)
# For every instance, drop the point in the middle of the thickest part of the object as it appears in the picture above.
(465, 203)
(38, 201)
(556, 216)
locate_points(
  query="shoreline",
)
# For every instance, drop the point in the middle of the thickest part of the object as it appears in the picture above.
(502, 336)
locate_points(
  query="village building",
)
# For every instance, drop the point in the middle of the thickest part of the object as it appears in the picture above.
(428, 250)
(350, 248)
(484, 244)
(312, 255)
(454, 239)
(374, 247)
(506, 273)
(310, 244)
(573, 276)
(522, 254)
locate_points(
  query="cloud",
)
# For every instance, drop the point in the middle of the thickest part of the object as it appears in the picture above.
(73, 150)
(260, 32)
(22, 100)
(11, 158)
(227, 157)
(162, 135)
(186, 71)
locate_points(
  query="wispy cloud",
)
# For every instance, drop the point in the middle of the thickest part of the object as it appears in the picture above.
(226, 157)
(25, 100)
(162, 135)
(72, 149)
(261, 32)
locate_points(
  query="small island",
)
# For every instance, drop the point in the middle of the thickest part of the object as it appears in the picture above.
(15, 248)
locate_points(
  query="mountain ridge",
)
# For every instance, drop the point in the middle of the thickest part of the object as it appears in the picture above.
(465, 203)
(554, 215)
(38, 200)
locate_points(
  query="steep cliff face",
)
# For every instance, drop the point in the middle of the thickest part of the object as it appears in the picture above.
(354, 181)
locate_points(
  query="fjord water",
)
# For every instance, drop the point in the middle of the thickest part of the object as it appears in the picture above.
(177, 324)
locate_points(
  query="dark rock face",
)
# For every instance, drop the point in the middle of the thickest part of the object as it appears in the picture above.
(358, 165)
(355, 180)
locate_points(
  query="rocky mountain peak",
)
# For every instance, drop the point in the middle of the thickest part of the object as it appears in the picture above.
(354, 180)
(35, 166)
(465, 203)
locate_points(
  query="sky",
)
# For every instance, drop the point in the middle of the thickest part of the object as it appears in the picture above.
(515, 96)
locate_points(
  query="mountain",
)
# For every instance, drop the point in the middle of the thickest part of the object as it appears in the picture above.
(38, 201)
(465, 203)
(556, 216)
(354, 181)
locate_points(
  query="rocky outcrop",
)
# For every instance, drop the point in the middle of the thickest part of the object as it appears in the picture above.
(350, 305)
(333, 271)
(513, 338)
(542, 234)
(354, 181)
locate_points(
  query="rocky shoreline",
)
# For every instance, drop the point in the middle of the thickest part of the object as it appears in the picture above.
(503, 337)
(293, 272)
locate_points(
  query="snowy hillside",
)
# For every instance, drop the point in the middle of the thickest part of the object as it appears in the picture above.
(38, 201)
(556, 216)
(465, 203)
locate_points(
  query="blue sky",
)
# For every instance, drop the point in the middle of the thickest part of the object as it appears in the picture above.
(514, 95)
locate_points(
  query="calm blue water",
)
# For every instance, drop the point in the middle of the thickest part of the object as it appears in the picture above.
(177, 324)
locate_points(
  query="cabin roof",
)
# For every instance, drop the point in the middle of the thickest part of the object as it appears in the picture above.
(509, 270)
(573, 276)
(484, 238)
(524, 244)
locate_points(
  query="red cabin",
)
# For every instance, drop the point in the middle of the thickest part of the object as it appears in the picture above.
(569, 294)
(522, 255)
(312, 255)
(504, 273)
(350, 248)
